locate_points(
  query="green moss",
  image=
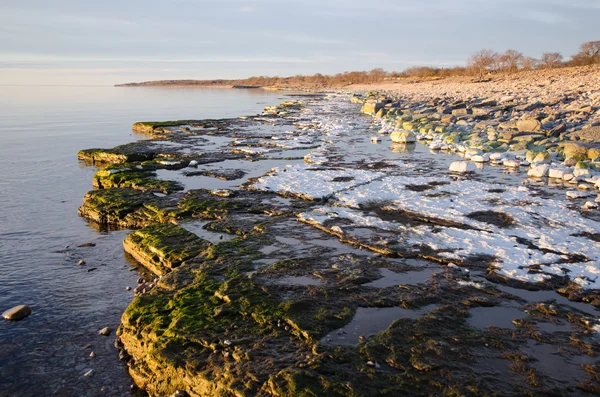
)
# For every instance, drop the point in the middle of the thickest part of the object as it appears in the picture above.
(111, 207)
(134, 179)
(201, 205)
(118, 155)
(163, 124)
(163, 246)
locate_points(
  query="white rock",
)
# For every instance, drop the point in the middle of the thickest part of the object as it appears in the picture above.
(375, 139)
(557, 173)
(435, 146)
(525, 163)
(511, 163)
(568, 176)
(193, 163)
(481, 158)
(539, 171)
(590, 206)
(337, 229)
(584, 186)
(462, 167)
(497, 157)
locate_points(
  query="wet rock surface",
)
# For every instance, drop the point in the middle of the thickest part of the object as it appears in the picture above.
(351, 266)
(17, 313)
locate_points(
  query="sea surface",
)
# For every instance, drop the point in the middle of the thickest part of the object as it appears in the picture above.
(41, 187)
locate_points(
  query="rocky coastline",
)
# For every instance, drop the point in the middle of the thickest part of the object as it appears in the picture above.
(425, 246)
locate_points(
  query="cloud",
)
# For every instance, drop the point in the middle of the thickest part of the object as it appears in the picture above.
(18, 60)
(546, 17)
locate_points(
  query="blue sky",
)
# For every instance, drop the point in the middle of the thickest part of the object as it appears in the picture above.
(114, 41)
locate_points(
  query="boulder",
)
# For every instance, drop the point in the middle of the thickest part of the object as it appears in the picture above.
(542, 157)
(381, 113)
(17, 313)
(557, 130)
(461, 112)
(511, 163)
(539, 171)
(480, 158)
(575, 151)
(462, 167)
(403, 137)
(372, 107)
(556, 173)
(593, 153)
(529, 125)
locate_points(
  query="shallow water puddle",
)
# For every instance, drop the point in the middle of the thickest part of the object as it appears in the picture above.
(390, 278)
(370, 321)
(198, 228)
(300, 280)
(544, 296)
(562, 368)
(497, 316)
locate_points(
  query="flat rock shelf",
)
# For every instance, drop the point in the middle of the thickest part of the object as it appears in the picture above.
(294, 255)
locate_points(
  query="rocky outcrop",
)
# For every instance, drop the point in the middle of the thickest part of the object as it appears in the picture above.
(161, 247)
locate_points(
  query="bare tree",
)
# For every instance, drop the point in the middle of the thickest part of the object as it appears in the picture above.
(483, 61)
(511, 60)
(589, 53)
(551, 60)
(528, 63)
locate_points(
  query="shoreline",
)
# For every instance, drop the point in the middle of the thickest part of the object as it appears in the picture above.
(413, 84)
(234, 327)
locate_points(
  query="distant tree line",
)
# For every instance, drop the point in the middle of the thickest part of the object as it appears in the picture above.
(479, 64)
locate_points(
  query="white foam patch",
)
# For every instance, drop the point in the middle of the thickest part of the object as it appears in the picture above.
(313, 182)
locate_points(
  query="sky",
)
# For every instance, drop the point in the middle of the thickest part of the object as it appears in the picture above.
(107, 42)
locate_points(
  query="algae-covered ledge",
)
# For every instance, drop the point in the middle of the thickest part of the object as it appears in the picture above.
(265, 272)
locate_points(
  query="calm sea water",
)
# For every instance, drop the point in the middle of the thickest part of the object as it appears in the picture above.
(41, 186)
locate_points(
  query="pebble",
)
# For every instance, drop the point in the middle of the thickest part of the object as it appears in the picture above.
(92, 355)
(590, 206)
(105, 331)
(81, 262)
(128, 288)
(17, 313)
(89, 373)
(373, 364)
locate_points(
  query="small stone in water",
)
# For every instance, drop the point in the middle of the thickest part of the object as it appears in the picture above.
(89, 373)
(81, 262)
(105, 331)
(92, 355)
(128, 288)
(17, 313)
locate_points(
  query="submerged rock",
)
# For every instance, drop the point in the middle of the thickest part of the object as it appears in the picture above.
(17, 313)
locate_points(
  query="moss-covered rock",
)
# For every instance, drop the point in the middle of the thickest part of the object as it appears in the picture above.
(117, 208)
(575, 151)
(134, 178)
(161, 247)
(120, 154)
